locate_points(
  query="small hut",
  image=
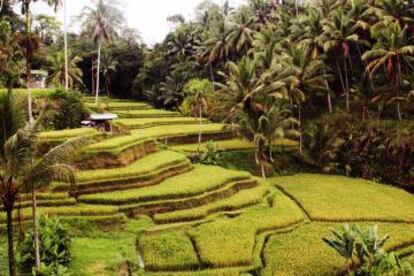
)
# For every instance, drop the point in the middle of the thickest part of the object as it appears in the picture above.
(39, 79)
(102, 122)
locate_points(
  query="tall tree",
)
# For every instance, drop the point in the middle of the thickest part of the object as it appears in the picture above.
(196, 92)
(102, 23)
(309, 78)
(57, 65)
(12, 119)
(393, 52)
(109, 67)
(241, 32)
(339, 33)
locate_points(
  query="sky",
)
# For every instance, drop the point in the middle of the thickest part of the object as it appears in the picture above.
(148, 17)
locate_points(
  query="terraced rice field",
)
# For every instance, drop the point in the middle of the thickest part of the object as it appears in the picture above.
(150, 122)
(63, 135)
(170, 217)
(233, 144)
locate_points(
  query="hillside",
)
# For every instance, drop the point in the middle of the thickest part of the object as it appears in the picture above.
(141, 202)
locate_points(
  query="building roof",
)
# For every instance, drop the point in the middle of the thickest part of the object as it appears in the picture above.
(39, 72)
(103, 117)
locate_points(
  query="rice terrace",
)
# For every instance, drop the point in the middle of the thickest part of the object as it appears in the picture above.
(252, 137)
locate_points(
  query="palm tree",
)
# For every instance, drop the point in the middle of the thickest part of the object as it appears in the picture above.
(53, 166)
(184, 42)
(248, 100)
(28, 52)
(339, 33)
(12, 119)
(57, 4)
(240, 37)
(196, 92)
(216, 47)
(59, 69)
(109, 66)
(100, 35)
(29, 47)
(392, 51)
(101, 24)
(21, 174)
(401, 11)
(309, 77)
(267, 45)
(171, 91)
(262, 10)
(309, 30)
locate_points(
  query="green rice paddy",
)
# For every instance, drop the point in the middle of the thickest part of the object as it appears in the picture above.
(164, 216)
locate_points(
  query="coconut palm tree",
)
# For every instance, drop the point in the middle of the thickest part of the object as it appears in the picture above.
(216, 48)
(38, 174)
(401, 11)
(12, 119)
(240, 36)
(309, 78)
(339, 33)
(171, 91)
(101, 23)
(28, 52)
(30, 46)
(248, 99)
(109, 66)
(100, 35)
(262, 10)
(62, 74)
(196, 92)
(393, 52)
(309, 30)
(22, 174)
(57, 4)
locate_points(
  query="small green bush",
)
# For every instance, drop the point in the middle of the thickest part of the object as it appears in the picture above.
(363, 251)
(69, 109)
(209, 157)
(54, 242)
(53, 270)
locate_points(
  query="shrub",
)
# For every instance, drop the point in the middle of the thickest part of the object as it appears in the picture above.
(376, 150)
(209, 157)
(69, 109)
(54, 242)
(54, 269)
(364, 251)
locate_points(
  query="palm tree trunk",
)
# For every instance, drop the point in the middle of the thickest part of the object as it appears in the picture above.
(107, 84)
(28, 61)
(263, 169)
(66, 45)
(328, 94)
(398, 89)
(300, 130)
(271, 153)
(35, 231)
(92, 77)
(20, 223)
(341, 78)
(9, 200)
(348, 109)
(365, 108)
(329, 102)
(256, 157)
(97, 73)
(297, 8)
(12, 264)
(211, 74)
(200, 126)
